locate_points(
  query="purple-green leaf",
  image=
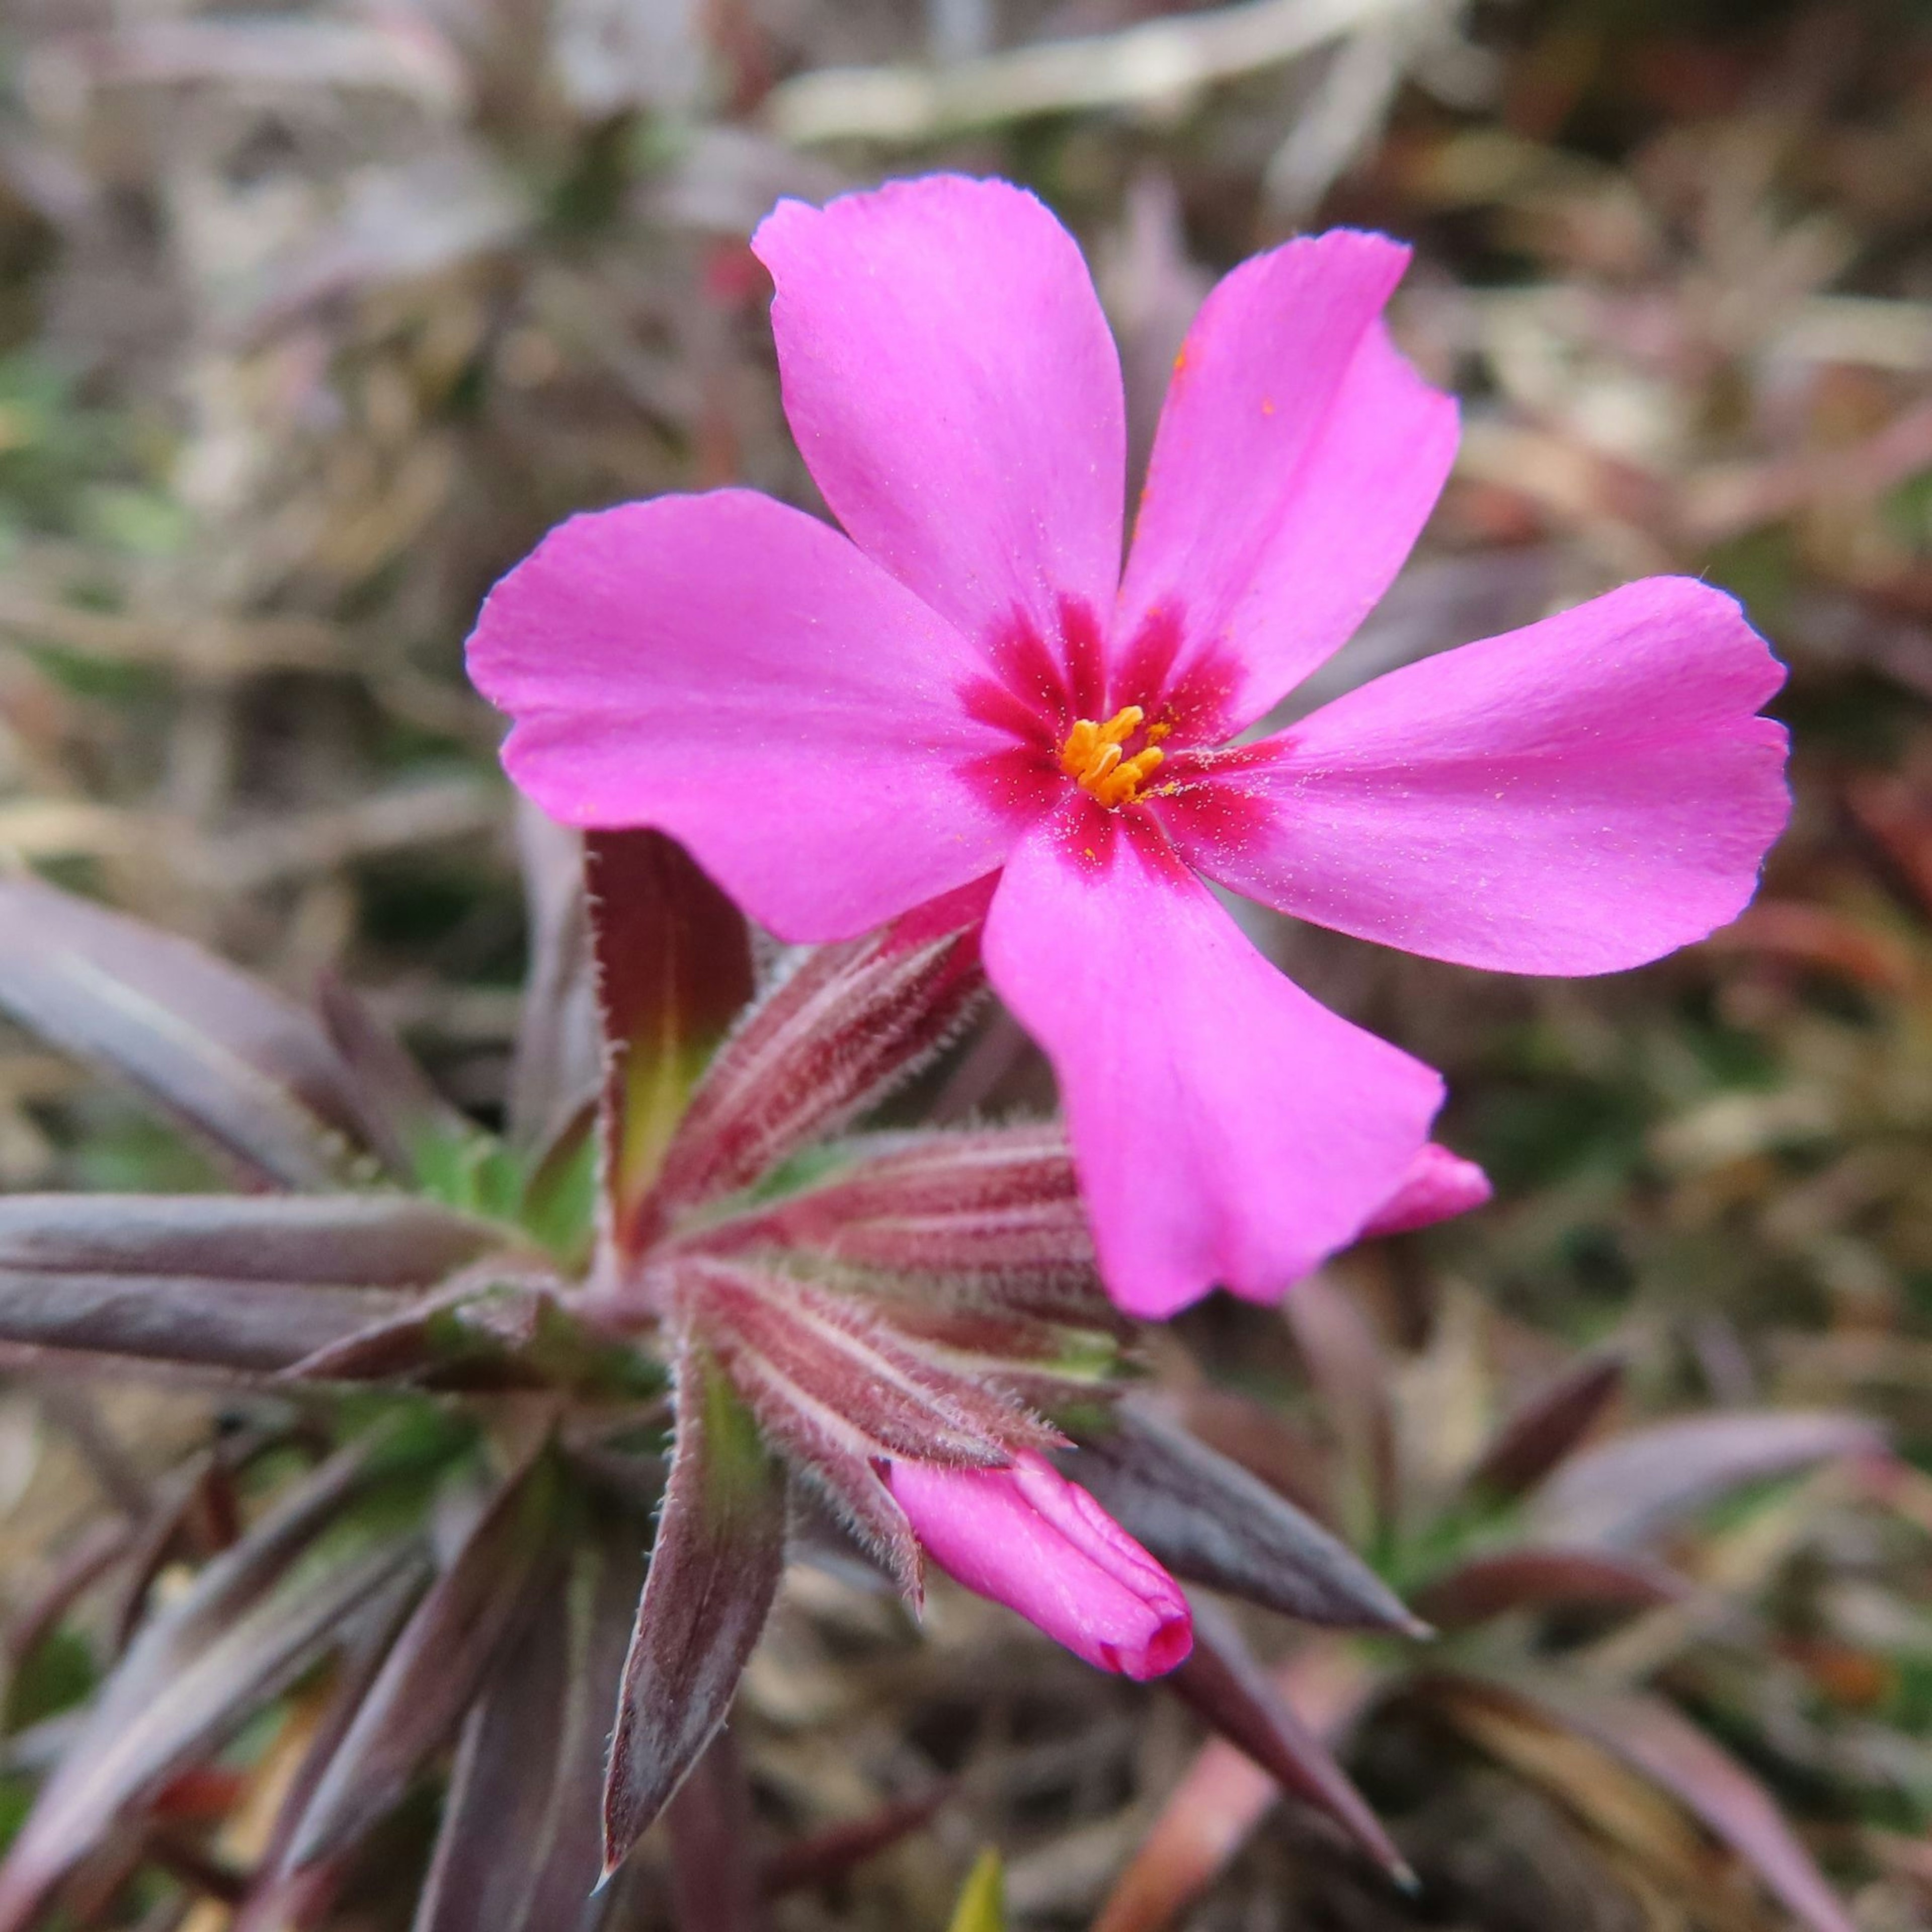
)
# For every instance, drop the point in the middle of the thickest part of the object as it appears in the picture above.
(1544, 1578)
(244, 1283)
(148, 1724)
(1620, 1493)
(714, 1571)
(1547, 1427)
(997, 1213)
(1210, 1521)
(793, 1349)
(1228, 1689)
(479, 1604)
(714, 1885)
(840, 1028)
(673, 960)
(214, 1048)
(278, 1899)
(519, 1848)
(1657, 1740)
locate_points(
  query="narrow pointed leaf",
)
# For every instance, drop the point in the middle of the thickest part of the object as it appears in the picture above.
(1538, 1578)
(997, 1212)
(674, 959)
(1048, 1364)
(479, 1604)
(983, 1903)
(714, 1571)
(113, 1766)
(1224, 1795)
(789, 1344)
(1210, 1521)
(242, 1575)
(519, 1849)
(1620, 1493)
(280, 1900)
(244, 1283)
(1656, 1740)
(840, 1028)
(214, 1048)
(1224, 1685)
(714, 1880)
(1547, 1428)
(829, 1854)
(837, 1484)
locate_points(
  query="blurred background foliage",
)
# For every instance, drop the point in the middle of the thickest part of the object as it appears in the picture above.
(312, 318)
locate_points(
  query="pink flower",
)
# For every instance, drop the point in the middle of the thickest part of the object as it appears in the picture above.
(966, 690)
(1028, 1538)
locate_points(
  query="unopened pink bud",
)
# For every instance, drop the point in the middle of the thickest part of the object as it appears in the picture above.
(1028, 1538)
(1437, 1186)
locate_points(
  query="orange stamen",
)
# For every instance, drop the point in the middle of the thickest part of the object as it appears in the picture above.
(1094, 758)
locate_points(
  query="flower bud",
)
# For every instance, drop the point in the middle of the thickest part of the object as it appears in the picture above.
(1028, 1538)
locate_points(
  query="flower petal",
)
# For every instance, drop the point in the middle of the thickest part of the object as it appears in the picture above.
(1226, 1128)
(1297, 457)
(956, 392)
(736, 673)
(1438, 1186)
(1579, 796)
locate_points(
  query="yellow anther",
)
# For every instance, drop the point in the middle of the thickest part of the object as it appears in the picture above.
(1092, 756)
(1080, 743)
(1122, 785)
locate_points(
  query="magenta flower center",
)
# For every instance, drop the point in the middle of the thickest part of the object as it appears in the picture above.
(1094, 756)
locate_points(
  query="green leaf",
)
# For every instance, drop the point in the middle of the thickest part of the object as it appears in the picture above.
(982, 1904)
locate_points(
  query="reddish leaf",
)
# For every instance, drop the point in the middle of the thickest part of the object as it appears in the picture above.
(241, 1576)
(674, 968)
(279, 1900)
(1228, 1690)
(518, 1851)
(1546, 1579)
(999, 1211)
(840, 1028)
(1046, 1363)
(241, 1282)
(1620, 1493)
(714, 1570)
(479, 1604)
(837, 1479)
(132, 1744)
(1656, 1740)
(217, 1048)
(794, 1349)
(1224, 1795)
(1548, 1427)
(714, 1879)
(1208, 1520)
(828, 1855)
